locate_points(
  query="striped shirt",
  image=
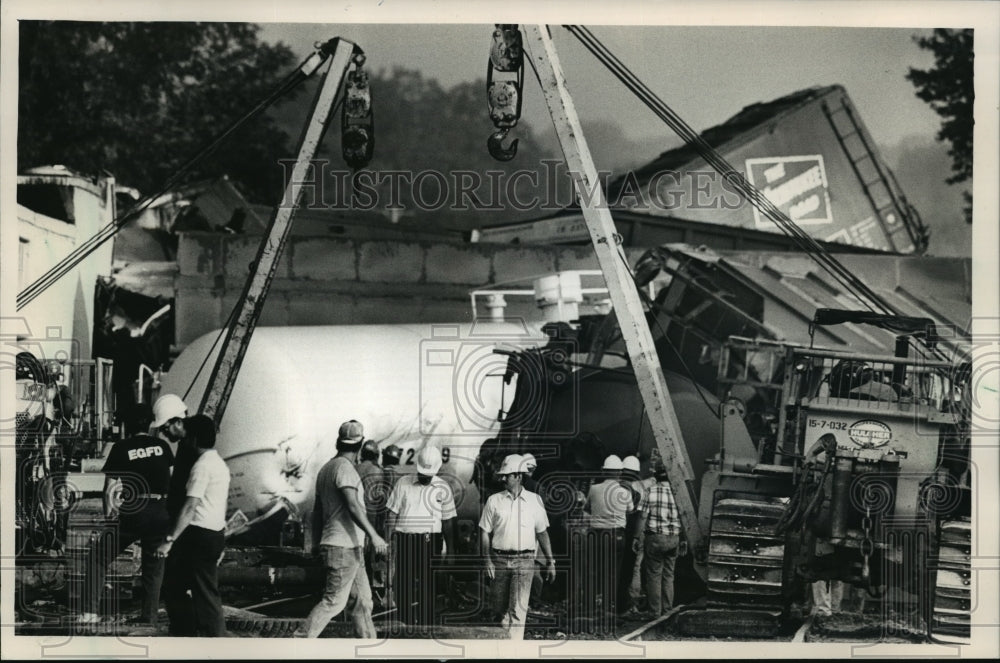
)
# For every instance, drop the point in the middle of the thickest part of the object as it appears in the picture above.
(659, 503)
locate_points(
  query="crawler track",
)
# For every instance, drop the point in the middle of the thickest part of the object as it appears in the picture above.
(953, 593)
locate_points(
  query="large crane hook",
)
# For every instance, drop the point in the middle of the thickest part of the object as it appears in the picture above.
(357, 120)
(495, 145)
(504, 95)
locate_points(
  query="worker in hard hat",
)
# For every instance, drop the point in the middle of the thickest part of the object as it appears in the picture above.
(420, 517)
(136, 481)
(340, 525)
(608, 503)
(629, 585)
(375, 493)
(512, 523)
(391, 455)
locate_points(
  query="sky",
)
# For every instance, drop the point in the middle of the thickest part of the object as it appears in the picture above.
(706, 74)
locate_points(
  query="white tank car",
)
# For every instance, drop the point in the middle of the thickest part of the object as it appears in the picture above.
(409, 385)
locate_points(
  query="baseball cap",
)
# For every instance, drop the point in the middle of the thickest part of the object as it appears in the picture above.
(429, 461)
(167, 407)
(612, 462)
(351, 432)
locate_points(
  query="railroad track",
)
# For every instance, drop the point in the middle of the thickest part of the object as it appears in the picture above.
(733, 624)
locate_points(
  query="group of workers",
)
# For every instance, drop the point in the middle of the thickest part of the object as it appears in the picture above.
(626, 541)
(364, 513)
(373, 525)
(175, 507)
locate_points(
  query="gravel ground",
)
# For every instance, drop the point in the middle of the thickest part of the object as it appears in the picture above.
(47, 613)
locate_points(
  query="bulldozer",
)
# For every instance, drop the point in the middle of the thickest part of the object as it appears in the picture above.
(810, 463)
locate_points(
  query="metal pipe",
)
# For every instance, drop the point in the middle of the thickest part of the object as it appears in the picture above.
(840, 501)
(271, 575)
(902, 352)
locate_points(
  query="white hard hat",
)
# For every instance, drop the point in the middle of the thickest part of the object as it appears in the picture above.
(511, 464)
(429, 461)
(167, 407)
(612, 462)
(630, 463)
(529, 462)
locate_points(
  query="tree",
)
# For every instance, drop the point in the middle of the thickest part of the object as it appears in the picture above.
(948, 88)
(139, 99)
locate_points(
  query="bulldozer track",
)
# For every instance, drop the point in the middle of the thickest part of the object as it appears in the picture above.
(953, 588)
(746, 555)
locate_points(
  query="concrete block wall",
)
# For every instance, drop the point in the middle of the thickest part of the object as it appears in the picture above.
(328, 281)
(324, 281)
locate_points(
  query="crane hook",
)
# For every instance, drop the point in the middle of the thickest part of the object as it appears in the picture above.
(495, 145)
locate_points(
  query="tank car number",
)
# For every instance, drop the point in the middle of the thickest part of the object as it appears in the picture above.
(445, 455)
(828, 424)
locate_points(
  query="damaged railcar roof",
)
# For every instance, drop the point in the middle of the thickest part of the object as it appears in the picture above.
(738, 126)
(792, 286)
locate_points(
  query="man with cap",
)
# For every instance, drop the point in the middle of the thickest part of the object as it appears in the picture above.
(513, 522)
(608, 503)
(197, 540)
(136, 480)
(420, 517)
(339, 526)
(659, 535)
(375, 494)
(531, 485)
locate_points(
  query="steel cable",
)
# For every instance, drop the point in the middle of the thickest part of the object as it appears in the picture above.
(70, 262)
(855, 286)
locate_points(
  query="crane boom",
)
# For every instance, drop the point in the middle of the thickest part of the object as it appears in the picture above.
(251, 302)
(621, 286)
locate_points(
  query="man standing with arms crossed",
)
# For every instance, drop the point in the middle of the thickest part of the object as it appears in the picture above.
(339, 528)
(512, 524)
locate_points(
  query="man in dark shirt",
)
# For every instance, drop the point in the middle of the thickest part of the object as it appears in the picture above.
(136, 481)
(391, 456)
(375, 496)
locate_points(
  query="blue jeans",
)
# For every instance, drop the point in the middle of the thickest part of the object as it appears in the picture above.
(658, 570)
(511, 590)
(345, 578)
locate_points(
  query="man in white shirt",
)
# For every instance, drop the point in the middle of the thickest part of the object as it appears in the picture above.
(421, 515)
(608, 503)
(197, 540)
(513, 522)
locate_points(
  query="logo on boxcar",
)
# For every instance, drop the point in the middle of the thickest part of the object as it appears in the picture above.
(869, 433)
(797, 185)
